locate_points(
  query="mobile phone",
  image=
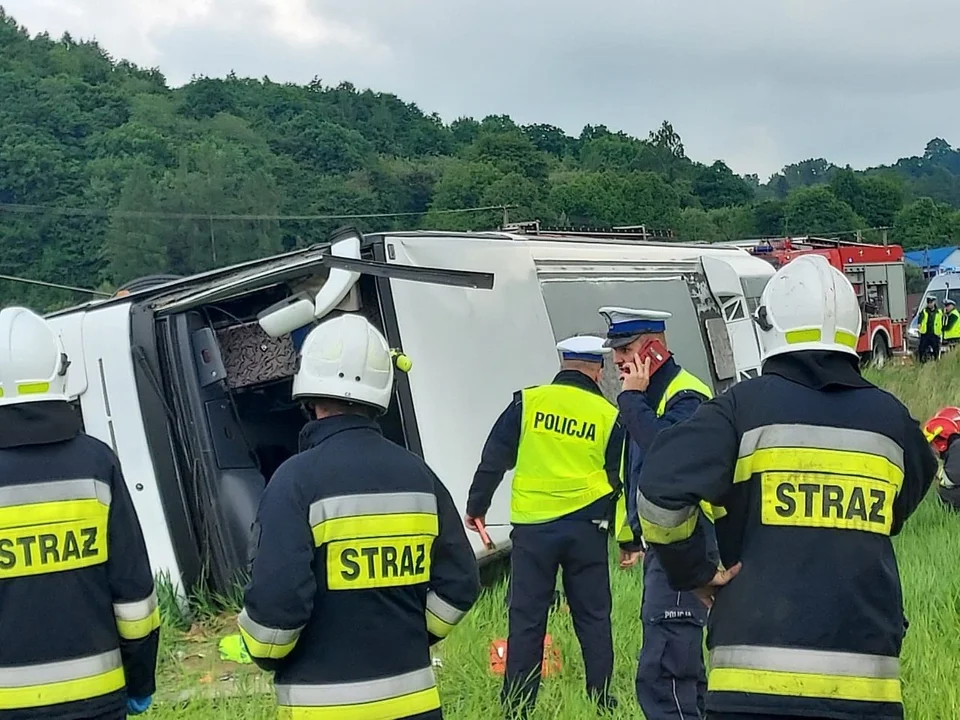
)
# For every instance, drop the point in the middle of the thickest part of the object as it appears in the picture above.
(656, 351)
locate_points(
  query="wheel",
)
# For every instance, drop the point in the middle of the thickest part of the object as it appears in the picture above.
(880, 352)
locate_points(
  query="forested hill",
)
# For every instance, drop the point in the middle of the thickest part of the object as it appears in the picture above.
(107, 174)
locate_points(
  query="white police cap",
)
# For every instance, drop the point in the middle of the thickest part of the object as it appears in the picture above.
(624, 325)
(588, 348)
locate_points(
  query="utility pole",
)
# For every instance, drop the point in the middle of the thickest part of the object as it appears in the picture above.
(506, 216)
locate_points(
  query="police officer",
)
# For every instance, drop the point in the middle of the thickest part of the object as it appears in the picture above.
(817, 469)
(79, 624)
(361, 563)
(671, 677)
(951, 323)
(564, 442)
(930, 327)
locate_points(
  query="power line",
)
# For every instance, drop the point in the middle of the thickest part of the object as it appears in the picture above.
(99, 212)
(28, 281)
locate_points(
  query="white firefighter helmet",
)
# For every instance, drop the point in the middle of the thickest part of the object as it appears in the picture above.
(808, 305)
(345, 358)
(33, 365)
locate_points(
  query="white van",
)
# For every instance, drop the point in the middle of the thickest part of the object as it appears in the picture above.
(943, 285)
(189, 379)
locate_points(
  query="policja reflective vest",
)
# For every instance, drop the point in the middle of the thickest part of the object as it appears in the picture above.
(564, 434)
(925, 326)
(361, 564)
(816, 469)
(951, 325)
(78, 612)
(682, 382)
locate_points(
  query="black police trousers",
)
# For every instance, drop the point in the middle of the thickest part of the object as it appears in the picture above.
(579, 548)
(928, 348)
(671, 674)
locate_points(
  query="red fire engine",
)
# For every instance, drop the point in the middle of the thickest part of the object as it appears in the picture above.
(876, 273)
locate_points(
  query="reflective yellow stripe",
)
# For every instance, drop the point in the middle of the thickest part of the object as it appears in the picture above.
(623, 529)
(381, 699)
(30, 686)
(266, 642)
(442, 617)
(138, 619)
(374, 526)
(564, 432)
(372, 515)
(842, 337)
(37, 388)
(812, 460)
(804, 672)
(667, 535)
(805, 685)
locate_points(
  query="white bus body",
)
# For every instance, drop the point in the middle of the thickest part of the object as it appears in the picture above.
(185, 385)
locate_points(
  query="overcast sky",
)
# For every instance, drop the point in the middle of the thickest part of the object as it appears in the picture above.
(756, 83)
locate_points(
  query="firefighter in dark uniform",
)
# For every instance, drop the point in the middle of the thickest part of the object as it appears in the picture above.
(816, 469)
(671, 677)
(943, 433)
(930, 327)
(79, 624)
(564, 443)
(361, 563)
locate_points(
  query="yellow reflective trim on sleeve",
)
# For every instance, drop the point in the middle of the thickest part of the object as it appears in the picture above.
(805, 685)
(137, 629)
(374, 526)
(416, 703)
(361, 564)
(622, 526)
(266, 651)
(53, 547)
(713, 512)
(437, 626)
(816, 460)
(667, 535)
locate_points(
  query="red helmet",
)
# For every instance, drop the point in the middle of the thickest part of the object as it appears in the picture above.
(941, 427)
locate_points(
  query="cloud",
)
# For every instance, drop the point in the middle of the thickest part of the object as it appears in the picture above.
(756, 83)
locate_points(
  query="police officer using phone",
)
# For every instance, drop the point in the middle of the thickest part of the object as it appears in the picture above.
(657, 393)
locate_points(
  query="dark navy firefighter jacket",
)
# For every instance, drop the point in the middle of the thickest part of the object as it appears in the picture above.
(361, 564)
(79, 624)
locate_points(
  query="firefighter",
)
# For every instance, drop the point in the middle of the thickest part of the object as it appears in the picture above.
(79, 624)
(951, 323)
(817, 469)
(671, 677)
(360, 562)
(942, 431)
(564, 441)
(930, 327)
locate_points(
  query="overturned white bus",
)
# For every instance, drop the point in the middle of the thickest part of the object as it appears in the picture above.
(189, 379)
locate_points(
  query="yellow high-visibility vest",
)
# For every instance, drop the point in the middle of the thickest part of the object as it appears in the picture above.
(564, 432)
(682, 382)
(923, 324)
(954, 332)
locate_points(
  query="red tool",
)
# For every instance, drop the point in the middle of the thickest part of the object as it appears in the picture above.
(482, 529)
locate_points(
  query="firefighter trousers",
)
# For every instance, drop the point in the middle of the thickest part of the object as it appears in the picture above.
(744, 716)
(579, 549)
(671, 673)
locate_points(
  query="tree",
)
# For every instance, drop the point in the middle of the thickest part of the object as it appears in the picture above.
(922, 224)
(718, 187)
(817, 210)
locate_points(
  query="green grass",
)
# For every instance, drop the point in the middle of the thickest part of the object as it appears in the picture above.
(928, 552)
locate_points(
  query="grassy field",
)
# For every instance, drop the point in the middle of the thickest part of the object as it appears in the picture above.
(195, 683)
